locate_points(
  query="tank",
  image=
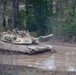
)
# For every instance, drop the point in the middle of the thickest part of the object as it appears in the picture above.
(22, 41)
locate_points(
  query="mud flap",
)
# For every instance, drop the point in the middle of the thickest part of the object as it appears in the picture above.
(53, 50)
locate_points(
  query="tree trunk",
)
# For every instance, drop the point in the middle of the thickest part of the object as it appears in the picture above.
(13, 13)
(51, 7)
(26, 7)
(4, 13)
(17, 7)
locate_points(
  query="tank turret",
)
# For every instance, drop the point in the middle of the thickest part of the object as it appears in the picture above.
(28, 39)
(21, 37)
(7, 36)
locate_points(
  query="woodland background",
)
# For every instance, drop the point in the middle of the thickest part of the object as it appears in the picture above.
(40, 17)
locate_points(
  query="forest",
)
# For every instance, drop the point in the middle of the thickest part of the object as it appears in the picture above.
(40, 17)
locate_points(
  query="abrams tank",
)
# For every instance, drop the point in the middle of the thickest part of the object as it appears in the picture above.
(22, 41)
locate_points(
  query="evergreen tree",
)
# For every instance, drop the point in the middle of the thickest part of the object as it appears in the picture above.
(39, 12)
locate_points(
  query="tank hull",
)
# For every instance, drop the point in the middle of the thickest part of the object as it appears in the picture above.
(31, 49)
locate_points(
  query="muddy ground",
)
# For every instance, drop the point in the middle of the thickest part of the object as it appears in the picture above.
(24, 70)
(62, 62)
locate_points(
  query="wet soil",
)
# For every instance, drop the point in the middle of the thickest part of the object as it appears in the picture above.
(64, 59)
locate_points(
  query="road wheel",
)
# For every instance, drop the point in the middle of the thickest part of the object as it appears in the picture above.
(32, 52)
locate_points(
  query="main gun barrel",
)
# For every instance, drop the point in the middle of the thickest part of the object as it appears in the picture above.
(42, 37)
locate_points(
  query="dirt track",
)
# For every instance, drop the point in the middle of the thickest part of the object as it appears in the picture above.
(63, 60)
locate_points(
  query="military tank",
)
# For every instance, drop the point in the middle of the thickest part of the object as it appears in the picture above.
(22, 41)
